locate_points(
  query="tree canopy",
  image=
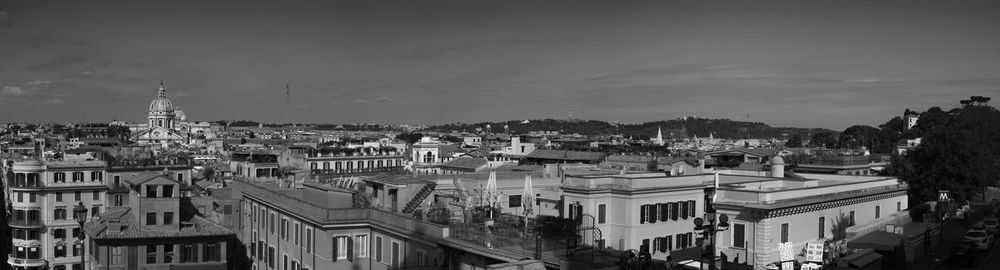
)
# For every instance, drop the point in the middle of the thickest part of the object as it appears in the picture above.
(959, 152)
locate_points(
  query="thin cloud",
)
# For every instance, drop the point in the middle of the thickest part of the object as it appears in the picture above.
(38, 82)
(12, 91)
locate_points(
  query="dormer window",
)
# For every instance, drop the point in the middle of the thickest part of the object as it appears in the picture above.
(168, 191)
(150, 191)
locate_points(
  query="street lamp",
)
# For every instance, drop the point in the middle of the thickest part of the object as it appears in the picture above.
(709, 230)
(80, 214)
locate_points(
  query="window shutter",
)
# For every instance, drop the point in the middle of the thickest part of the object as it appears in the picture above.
(350, 248)
(335, 246)
(656, 244)
(651, 216)
(572, 211)
(684, 209)
(664, 211)
(673, 211)
(692, 210)
(670, 243)
(642, 214)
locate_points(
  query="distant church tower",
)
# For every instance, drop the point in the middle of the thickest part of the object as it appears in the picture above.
(911, 119)
(659, 136)
(161, 110)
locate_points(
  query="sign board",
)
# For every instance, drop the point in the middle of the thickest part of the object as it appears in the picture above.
(789, 265)
(786, 251)
(943, 196)
(811, 266)
(890, 228)
(899, 230)
(814, 252)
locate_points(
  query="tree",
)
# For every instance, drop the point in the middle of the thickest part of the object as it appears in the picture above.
(824, 139)
(794, 141)
(410, 138)
(361, 199)
(961, 155)
(857, 136)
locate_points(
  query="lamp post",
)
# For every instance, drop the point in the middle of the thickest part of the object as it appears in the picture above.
(708, 230)
(80, 214)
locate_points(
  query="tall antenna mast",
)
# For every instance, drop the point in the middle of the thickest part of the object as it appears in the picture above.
(287, 103)
(571, 108)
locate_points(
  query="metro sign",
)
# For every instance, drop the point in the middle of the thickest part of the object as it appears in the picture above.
(943, 196)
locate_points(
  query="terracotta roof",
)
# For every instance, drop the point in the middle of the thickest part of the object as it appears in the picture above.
(146, 177)
(566, 155)
(195, 227)
(465, 163)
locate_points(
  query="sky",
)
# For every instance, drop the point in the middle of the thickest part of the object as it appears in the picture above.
(829, 64)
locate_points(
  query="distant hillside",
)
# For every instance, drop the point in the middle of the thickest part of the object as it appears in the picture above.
(686, 127)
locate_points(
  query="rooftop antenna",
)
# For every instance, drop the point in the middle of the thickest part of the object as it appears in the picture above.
(287, 103)
(571, 108)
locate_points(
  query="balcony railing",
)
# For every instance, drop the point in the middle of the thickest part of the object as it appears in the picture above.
(345, 214)
(23, 262)
(358, 171)
(24, 223)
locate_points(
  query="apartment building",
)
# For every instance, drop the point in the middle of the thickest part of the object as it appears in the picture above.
(156, 228)
(317, 227)
(43, 194)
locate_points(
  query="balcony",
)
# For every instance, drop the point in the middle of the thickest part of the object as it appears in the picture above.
(352, 172)
(25, 223)
(21, 262)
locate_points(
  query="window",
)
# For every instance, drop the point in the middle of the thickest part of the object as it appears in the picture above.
(59, 177)
(150, 254)
(150, 191)
(180, 177)
(852, 219)
(168, 218)
(168, 191)
(59, 213)
(96, 196)
(651, 216)
(284, 228)
(77, 250)
(76, 196)
(684, 209)
(94, 211)
(691, 211)
(514, 201)
(189, 253)
(118, 180)
(877, 210)
(340, 248)
(602, 213)
(151, 218)
(899, 206)
(361, 245)
(784, 232)
(77, 176)
(211, 253)
(168, 253)
(20, 196)
(309, 240)
(271, 223)
(270, 257)
(59, 233)
(96, 176)
(739, 235)
(118, 200)
(378, 248)
(32, 197)
(76, 232)
(822, 227)
(395, 254)
(284, 262)
(642, 213)
(58, 196)
(60, 251)
(298, 234)
(116, 255)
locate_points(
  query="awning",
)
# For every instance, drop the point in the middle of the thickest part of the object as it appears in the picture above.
(877, 240)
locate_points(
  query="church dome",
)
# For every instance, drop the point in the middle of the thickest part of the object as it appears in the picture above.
(161, 104)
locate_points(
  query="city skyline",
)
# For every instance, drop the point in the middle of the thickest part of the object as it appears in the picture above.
(820, 64)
